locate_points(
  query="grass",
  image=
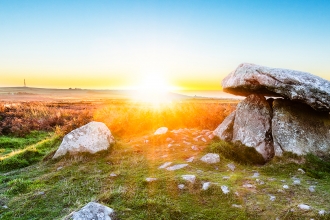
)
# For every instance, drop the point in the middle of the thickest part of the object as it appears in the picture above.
(34, 186)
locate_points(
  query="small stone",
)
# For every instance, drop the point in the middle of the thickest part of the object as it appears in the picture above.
(312, 188)
(304, 207)
(40, 193)
(211, 158)
(113, 174)
(301, 171)
(186, 143)
(231, 166)
(191, 159)
(255, 175)
(236, 206)
(164, 156)
(189, 178)
(195, 139)
(93, 210)
(194, 148)
(272, 198)
(236, 194)
(146, 141)
(165, 165)
(322, 212)
(5, 207)
(176, 167)
(260, 182)
(161, 130)
(170, 145)
(169, 139)
(150, 179)
(206, 186)
(225, 177)
(248, 185)
(59, 168)
(181, 186)
(211, 136)
(204, 140)
(296, 182)
(285, 187)
(200, 171)
(225, 189)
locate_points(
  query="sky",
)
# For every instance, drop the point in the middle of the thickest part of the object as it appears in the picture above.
(191, 44)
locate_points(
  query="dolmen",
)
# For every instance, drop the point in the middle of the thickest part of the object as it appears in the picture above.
(284, 111)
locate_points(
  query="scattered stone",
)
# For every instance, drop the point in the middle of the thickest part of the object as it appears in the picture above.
(181, 186)
(194, 148)
(150, 179)
(40, 193)
(299, 129)
(170, 145)
(189, 178)
(211, 158)
(210, 136)
(255, 175)
(186, 143)
(260, 182)
(296, 182)
(5, 207)
(272, 198)
(225, 189)
(176, 167)
(146, 141)
(237, 206)
(164, 156)
(322, 212)
(291, 84)
(191, 159)
(225, 177)
(113, 175)
(195, 139)
(285, 187)
(59, 168)
(301, 171)
(204, 140)
(169, 139)
(165, 165)
(231, 166)
(236, 194)
(94, 210)
(248, 185)
(92, 137)
(161, 130)
(304, 207)
(200, 171)
(312, 189)
(206, 186)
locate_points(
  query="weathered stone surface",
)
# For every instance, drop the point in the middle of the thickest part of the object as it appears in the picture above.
(252, 125)
(211, 158)
(299, 129)
(225, 130)
(291, 84)
(94, 210)
(92, 137)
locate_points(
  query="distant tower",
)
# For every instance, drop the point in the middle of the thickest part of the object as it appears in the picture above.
(24, 83)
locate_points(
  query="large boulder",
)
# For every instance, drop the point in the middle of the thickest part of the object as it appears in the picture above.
(92, 137)
(299, 129)
(291, 84)
(92, 211)
(252, 125)
(225, 130)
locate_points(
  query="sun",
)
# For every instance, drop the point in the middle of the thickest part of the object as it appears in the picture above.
(154, 89)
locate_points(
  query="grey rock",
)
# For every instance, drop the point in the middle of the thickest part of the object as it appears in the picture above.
(225, 189)
(252, 125)
(94, 210)
(294, 85)
(231, 166)
(189, 178)
(166, 164)
(161, 130)
(206, 186)
(304, 207)
(211, 158)
(92, 137)
(225, 130)
(176, 167)
(299, 129)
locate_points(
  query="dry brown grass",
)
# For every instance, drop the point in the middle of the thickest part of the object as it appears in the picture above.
(122, 117)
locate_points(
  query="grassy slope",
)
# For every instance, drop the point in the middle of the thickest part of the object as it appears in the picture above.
(52, 189)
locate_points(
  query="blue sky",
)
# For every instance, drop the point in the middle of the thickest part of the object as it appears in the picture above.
(193, 44)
